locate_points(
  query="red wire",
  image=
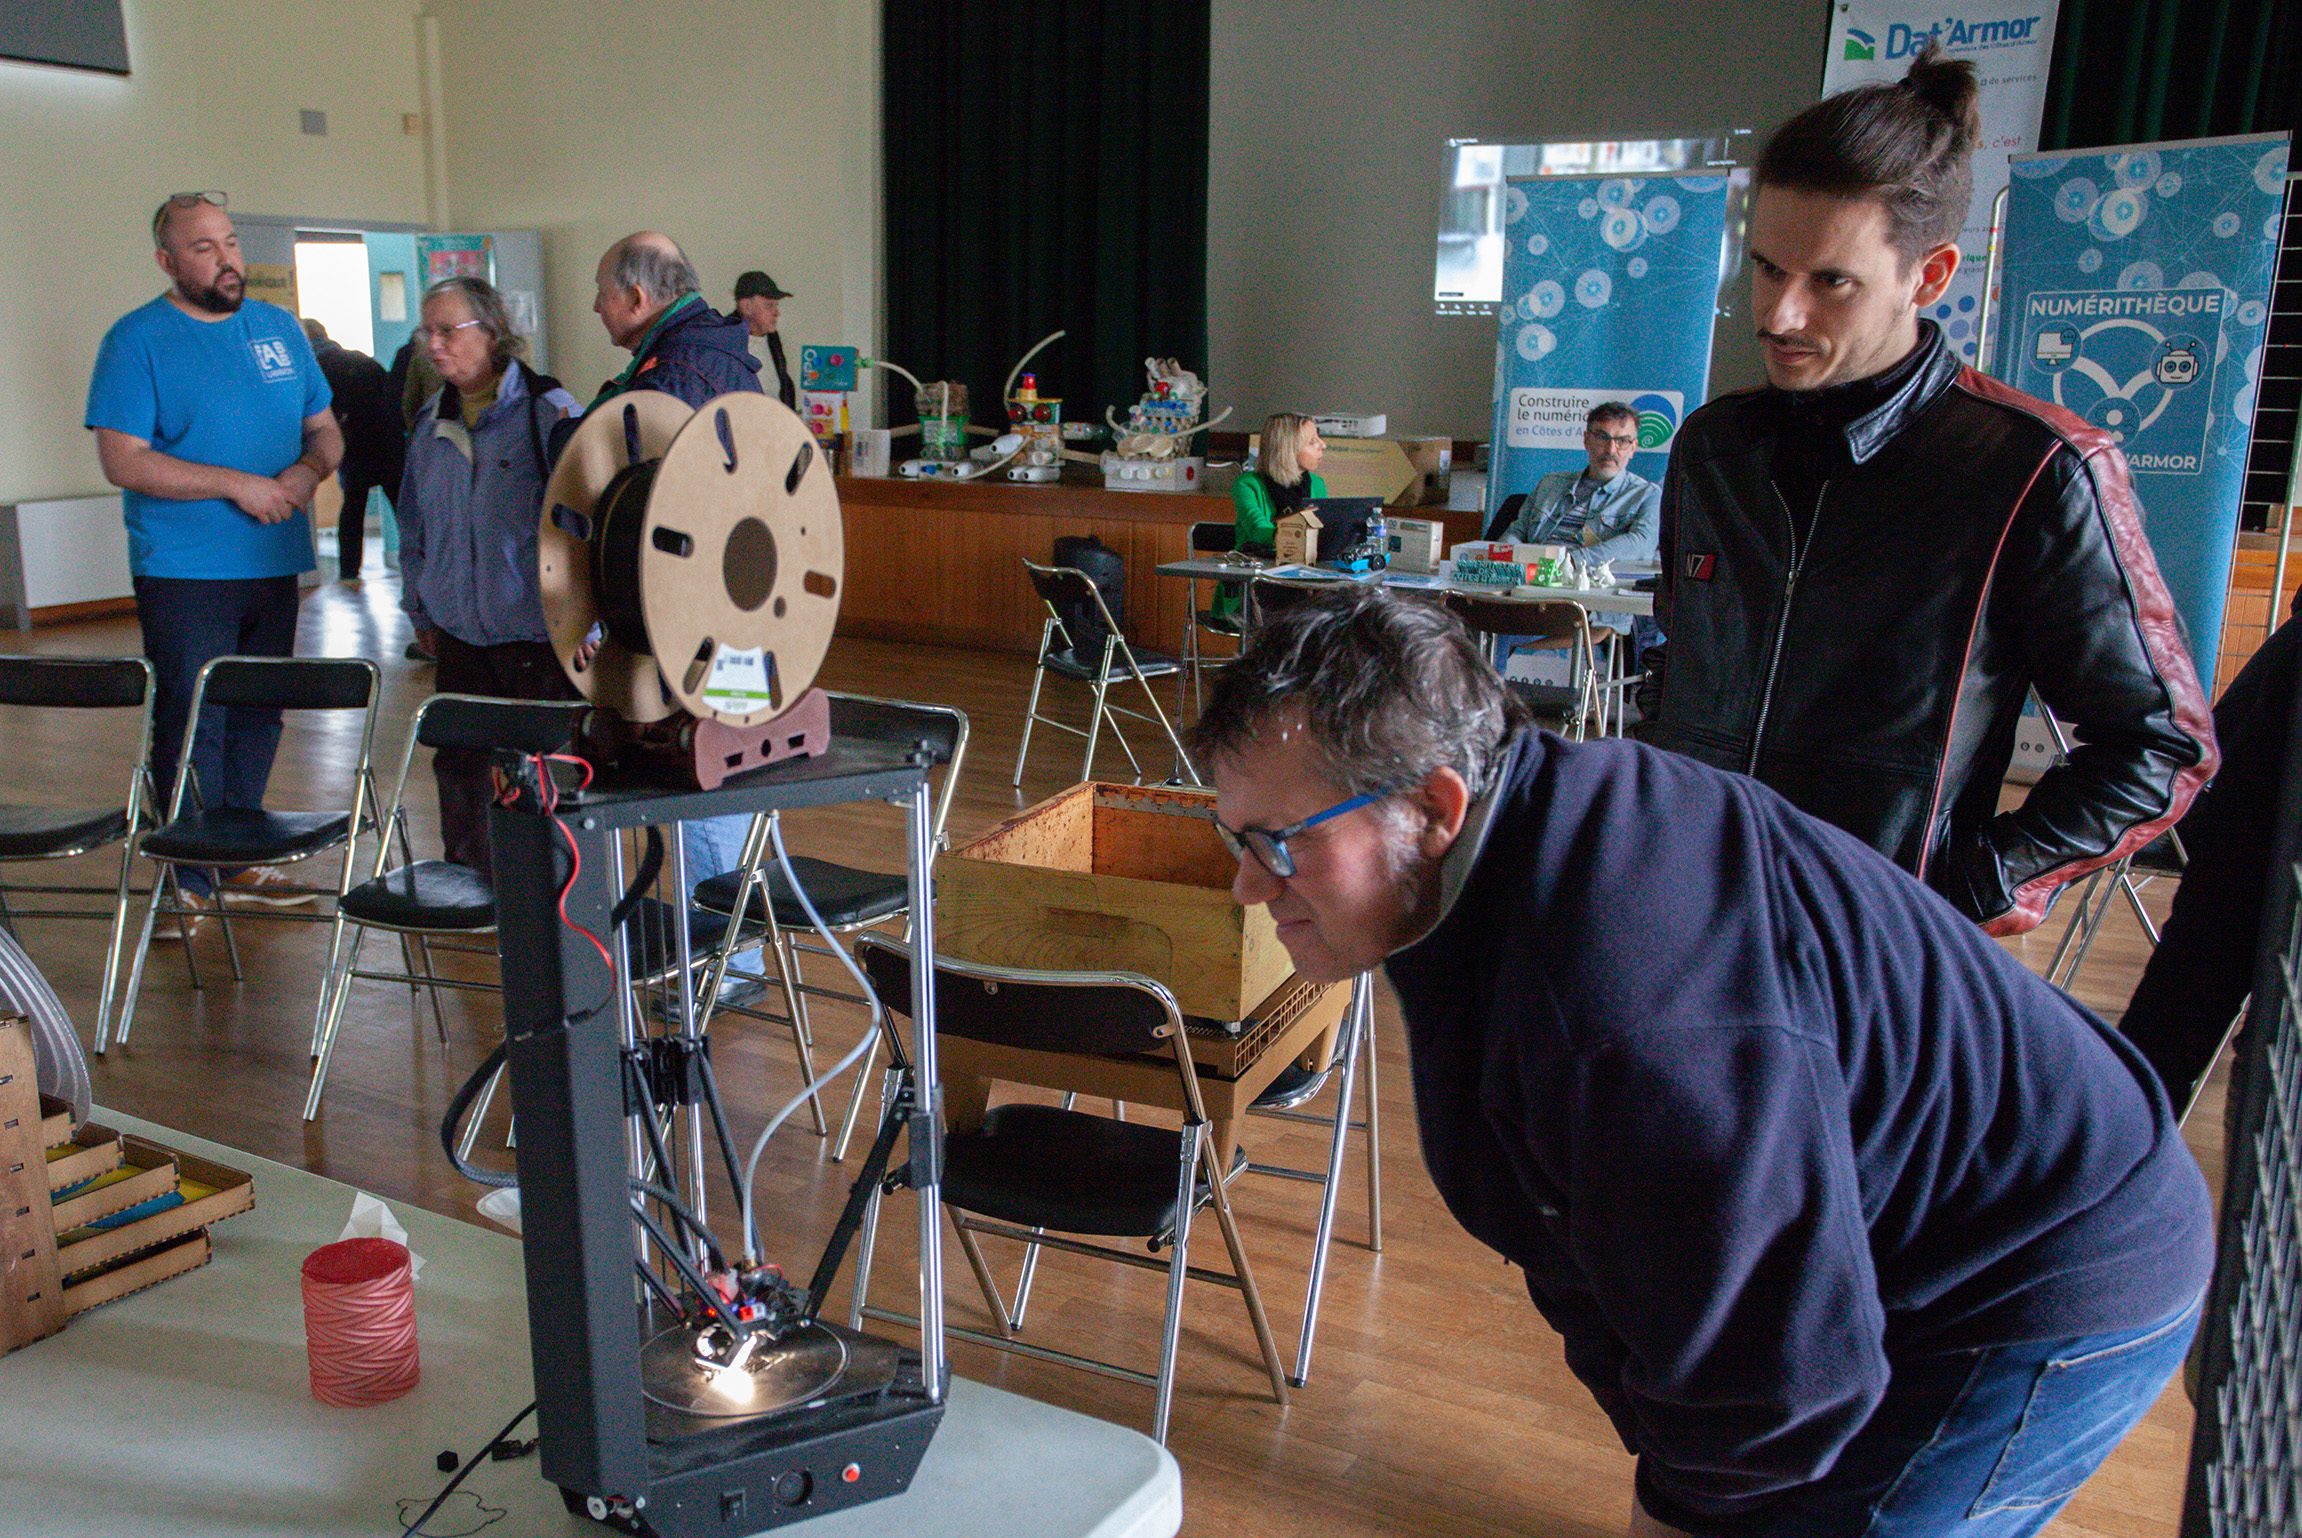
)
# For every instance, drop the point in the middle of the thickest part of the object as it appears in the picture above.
(551, 799)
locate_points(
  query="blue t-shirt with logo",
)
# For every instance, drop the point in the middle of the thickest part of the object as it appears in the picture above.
(231, 392)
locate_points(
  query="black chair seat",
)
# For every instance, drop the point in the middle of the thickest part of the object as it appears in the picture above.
(2159, 857)
(651, 926)
(1153, 664)
(240, 836)
(38, 832)
(843, 895)
(1042, 1166)
(1547, 699)
(428, 895)
(1227, 624)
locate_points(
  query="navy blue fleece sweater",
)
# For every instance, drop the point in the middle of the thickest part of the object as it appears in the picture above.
(1801, 1121)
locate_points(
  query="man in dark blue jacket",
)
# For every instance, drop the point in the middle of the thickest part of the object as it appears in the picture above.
(651, 302)
(1851, 1224)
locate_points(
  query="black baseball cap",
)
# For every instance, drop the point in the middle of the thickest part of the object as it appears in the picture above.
(758, 285)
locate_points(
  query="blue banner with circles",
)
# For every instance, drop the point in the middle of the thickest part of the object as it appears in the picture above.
(1610, 285)
(2136, 295)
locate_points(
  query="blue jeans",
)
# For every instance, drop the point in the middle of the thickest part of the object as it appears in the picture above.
(714, 846)
(188, 622)
(1989, 1443)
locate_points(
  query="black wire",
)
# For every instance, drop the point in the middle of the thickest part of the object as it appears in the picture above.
(454, 1120)
(470, 1464)
(720, 1128)
(650, 866)
(685, 1214)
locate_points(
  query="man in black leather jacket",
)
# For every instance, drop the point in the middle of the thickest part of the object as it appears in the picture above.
(1867, 566)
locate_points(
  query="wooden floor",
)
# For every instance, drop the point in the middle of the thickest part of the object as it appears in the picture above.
(1438, 1403)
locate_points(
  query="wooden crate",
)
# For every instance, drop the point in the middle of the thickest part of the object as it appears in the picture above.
(87, 1215)
(203, 1193)
(92, 1151)
(1119, 878)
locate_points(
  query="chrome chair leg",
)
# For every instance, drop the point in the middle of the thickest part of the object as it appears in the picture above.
(1331, 1188)
(1031, 711)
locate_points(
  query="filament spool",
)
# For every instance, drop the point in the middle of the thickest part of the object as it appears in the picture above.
(691, 561)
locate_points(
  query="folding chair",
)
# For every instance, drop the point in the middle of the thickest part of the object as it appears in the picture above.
(233, 836)
(1541, 623)
(38, 832)
(1039, 1174)
(2124, 877)
(845, 898)
(1056, 586)
(427, 901)
(1296, 1087)
(1209, 539)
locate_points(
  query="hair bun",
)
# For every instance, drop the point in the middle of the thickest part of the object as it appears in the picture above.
(1950, 86)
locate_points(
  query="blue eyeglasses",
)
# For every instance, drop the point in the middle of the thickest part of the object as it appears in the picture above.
(1269, 845)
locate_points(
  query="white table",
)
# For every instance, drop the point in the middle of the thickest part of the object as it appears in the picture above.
(1606, 600)
(185, 1411)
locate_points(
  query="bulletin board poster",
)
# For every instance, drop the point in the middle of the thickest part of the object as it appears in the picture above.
(2137, 296)
(274, 283)
(1610, 288)
(456, 256)
(2010, 43)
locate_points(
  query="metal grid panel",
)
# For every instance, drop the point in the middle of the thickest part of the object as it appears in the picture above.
(2246, 1451)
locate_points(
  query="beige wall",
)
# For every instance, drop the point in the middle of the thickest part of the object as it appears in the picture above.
(1327, 119)
(747, 130)
(212, 103)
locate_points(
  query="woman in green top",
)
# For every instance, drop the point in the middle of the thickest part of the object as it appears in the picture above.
(1288, 477)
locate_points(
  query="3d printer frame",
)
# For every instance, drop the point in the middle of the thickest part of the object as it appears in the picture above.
(564, 1015)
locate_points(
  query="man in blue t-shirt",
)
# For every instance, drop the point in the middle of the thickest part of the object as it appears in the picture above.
(211, 415)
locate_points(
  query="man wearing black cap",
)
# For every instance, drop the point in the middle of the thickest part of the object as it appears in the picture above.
(759, 301)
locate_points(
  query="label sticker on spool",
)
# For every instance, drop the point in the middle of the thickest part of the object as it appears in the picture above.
(741, 682)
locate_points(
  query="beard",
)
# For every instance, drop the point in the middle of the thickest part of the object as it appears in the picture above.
(220, 297)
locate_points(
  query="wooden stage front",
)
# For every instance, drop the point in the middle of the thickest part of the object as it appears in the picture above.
(941, 563)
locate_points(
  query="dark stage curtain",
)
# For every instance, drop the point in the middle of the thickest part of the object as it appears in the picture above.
(1046, 169)
(2137, 71)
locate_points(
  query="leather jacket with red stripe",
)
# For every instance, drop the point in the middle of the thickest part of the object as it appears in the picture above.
(1868, 657)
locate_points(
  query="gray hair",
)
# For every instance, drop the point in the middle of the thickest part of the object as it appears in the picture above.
(488, 308)
(1611, 411)
(661, 272)
(1391, 688)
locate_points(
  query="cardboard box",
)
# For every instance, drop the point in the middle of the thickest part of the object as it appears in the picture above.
(146, 1170)
(872, 452)
(108, 1284)
(55, 1121)
(1504, 550)
(1114, 878)
(93, 1151)
(206, 1193)
(1433, 460)
(1414, 544)
(1297, 538)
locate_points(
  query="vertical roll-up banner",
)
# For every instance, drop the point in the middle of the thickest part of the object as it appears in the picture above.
(2136, 294)
(2010, 43)
(1610, 288)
